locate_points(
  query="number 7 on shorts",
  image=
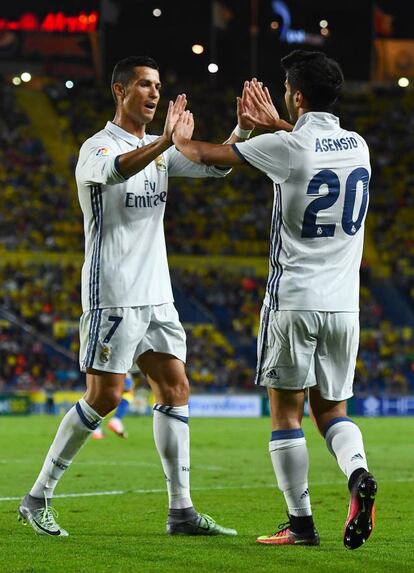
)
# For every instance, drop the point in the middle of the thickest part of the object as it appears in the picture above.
(116, 322)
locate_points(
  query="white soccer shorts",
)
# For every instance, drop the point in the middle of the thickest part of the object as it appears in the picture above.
(301, 349)
(112, 339)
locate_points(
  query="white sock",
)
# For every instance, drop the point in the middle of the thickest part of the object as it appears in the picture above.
(344, 441)
(76, 426)
(290, 460)
(172, 439)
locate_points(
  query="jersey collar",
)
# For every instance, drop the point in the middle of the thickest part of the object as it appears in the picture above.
(122, 134)
(321, 117)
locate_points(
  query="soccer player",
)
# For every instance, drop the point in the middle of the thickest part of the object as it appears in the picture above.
(129, 318)
(309, 329)
(116, 424)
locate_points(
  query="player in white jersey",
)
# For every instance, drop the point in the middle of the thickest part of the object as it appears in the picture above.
(309, 330)
(129, 319)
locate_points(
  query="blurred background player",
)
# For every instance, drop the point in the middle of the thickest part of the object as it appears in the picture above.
(116, 423)
(309, 327)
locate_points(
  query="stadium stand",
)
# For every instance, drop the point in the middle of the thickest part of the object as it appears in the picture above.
(227, 220)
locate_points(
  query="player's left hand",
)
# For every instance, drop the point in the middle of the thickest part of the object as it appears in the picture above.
(183, 129)
(175, 110)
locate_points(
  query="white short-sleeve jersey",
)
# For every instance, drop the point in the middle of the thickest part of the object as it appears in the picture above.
(321, 175)
(125, 253)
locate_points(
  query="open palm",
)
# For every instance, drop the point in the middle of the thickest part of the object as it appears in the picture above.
(175, 110)
(258, 107)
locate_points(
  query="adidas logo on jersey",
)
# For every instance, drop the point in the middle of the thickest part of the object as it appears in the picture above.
(273, 374)
(357, 457)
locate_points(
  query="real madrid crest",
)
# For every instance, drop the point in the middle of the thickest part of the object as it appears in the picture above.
(105, 353)
(160, 163)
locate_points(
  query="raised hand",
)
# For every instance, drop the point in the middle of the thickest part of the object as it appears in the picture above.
(259, 108)
(244, 106)
(175, 110)
(184, 128)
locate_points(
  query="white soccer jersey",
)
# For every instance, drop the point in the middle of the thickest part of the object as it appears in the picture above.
(321, 175)
(125, 252)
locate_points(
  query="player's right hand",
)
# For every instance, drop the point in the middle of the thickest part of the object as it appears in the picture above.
(260, 109)
(245, 109)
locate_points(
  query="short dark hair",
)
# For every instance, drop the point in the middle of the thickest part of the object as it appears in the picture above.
(124, 69)
(319, 78)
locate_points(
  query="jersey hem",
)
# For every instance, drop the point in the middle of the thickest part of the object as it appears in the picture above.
(308, 309)
(135, 305)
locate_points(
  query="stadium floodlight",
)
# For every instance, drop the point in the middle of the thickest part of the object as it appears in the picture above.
(69, 84)
(197, 49)
(16, 81)
(212, 68)
(25, 77)
(323, 23)
(403, 82)
(156, 12)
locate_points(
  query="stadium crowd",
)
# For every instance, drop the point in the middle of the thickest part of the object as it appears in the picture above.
(36, 212)
(220, 356)
(229, 217)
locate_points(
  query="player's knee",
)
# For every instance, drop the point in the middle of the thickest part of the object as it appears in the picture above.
(175, 391)
(108, 400)
(183, 389)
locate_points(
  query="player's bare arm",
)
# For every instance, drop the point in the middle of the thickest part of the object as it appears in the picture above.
(259, 109)
(134, 161)
(227, 156)
(199, 151)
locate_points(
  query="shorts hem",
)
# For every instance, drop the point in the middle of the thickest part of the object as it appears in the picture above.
(106, 370)
(330, 398)
(183, 360)
(336, 399)
(282, 387)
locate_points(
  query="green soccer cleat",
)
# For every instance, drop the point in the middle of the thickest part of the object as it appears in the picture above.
(201, 524)
(41, 516)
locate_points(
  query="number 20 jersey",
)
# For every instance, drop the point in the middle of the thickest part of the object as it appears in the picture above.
(321, 176)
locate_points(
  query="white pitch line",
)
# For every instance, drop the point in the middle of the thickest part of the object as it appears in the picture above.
(120, 463)
(94, 493)
(214, 488)
(87, 463)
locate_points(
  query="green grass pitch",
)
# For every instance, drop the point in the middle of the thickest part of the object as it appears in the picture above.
(232, 479)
